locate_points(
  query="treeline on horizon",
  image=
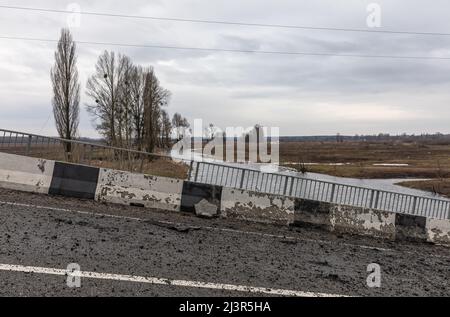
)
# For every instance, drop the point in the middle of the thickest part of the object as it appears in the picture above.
(369, 137)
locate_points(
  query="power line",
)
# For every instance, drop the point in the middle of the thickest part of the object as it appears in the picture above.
(400, 57)
(236, 23)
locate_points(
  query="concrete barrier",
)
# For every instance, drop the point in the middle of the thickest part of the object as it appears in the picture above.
(106, 185)
(138, 189)
(258, 207)
(362, 221)
(310, 213)
(72, 180)
(344, 219)
(411, 228)
(197, 196)
(438, 231)
(25, 173)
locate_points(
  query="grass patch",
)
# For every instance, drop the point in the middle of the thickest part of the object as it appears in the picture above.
(375, 172)
(437, 186)
(424, 159)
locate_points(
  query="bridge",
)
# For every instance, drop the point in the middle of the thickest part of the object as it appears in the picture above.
(228, 175)
(123, 250)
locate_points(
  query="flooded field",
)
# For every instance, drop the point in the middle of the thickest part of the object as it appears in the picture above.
(389, 184)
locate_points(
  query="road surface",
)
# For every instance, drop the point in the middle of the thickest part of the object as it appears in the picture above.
(131, 251)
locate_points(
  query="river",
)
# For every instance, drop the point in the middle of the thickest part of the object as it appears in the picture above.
(380, 184)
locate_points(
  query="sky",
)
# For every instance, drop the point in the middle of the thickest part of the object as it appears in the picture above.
(302, 95)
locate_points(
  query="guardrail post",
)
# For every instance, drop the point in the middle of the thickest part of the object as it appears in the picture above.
(286, 178)
(196, 171)
(190, 170)
(242, 179)
(414, 205)
(333, 188)
(29, 144)
(376, 199)
(83, 155)
(90, 153)
(141, 166)
(372, 192)
(292, 186)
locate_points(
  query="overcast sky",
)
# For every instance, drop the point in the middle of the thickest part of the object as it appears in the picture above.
(302, 95)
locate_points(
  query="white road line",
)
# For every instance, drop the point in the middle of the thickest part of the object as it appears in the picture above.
(163, 281)
(267, 235)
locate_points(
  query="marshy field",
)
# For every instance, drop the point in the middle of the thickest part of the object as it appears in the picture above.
(400, 159)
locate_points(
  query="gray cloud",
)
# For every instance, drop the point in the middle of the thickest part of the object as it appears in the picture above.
(300, 94)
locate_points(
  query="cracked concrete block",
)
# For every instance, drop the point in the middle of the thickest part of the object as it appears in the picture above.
(438, 231)
(131, 188)
(205, 209)
(410, 228)
(344, 219)
(193, 193)
(259, 207)
(363, 221)
(309, 213)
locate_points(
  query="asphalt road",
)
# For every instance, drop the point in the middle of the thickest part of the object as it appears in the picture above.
(130, 251)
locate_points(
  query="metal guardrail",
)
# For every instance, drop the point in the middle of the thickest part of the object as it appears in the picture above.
(224, 175)
(53, 148)
(241, 178)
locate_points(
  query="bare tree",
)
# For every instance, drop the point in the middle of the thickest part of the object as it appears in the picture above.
(124, 116)
(66, 89)
(104, 87)
(155, 97)
(180, 124)
(166, 129)
(137, 104)
(211, 131)
(129, 101)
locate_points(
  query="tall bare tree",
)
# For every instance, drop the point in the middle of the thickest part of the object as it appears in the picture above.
(125, 123)
(129, 102)
(66, 89)
(137, 104)
(104, 87)
(155, 97)
(166, 129)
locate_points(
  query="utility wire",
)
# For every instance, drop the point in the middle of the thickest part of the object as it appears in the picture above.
(154, 46)
(236, 23)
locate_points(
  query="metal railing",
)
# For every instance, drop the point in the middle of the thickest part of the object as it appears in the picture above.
(100, 155)
(87, 153)
(298, 187)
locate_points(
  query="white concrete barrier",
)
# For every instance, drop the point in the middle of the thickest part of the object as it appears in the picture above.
(255, 206)
(438, 231)
(362, 221)
(146, 190)
(25, 173)
(39, 175)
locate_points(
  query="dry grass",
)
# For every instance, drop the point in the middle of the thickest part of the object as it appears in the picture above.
(425, 160)
(438, 186)
(376, 172)
(101, 158)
